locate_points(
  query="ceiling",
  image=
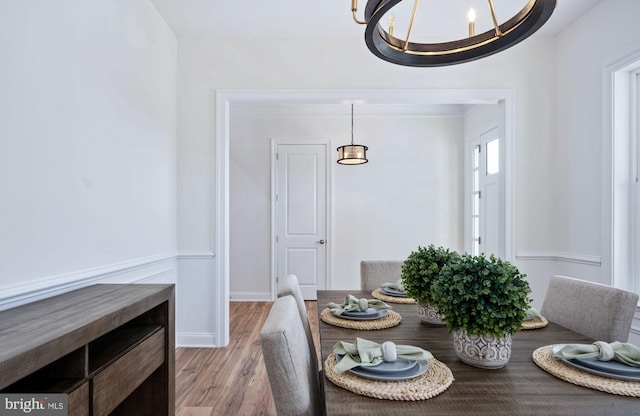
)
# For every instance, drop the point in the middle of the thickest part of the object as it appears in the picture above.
(332, 18)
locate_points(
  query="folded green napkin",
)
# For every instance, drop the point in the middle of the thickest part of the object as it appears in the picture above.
(397, 285)
(622, 352)
(533, 313)
(352, 303)
(366, 353)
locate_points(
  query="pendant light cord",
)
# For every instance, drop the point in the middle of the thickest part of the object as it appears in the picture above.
(351, 124)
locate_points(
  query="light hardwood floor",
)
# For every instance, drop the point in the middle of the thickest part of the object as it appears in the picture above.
(232, 380)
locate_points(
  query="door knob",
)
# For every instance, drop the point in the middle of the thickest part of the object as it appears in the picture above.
(321, 241)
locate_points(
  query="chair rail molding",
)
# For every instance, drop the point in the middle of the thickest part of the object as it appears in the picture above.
(590, 260)
(159, 268)
(195, 255)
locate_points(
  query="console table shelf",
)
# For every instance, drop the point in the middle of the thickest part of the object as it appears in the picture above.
(111, 348)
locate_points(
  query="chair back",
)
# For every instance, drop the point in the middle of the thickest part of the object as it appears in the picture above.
(293, 374)
(289, 286)
(373, 273)
(601, 312)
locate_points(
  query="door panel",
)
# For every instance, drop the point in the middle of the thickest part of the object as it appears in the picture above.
(491, 228)
(301, 194)
(304, 261)
(490, 242)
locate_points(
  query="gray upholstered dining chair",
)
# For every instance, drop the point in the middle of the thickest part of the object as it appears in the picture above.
(289, 286)
(293, 374)
(374, 273)
(601, 312)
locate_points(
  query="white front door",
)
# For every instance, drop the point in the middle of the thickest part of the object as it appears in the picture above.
(486, 207)
(300, 198)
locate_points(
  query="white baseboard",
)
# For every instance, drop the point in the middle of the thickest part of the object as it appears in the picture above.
(196, 340)
(156, 268)
(250, 296)
(557, 256)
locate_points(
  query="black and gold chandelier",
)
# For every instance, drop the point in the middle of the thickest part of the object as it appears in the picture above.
(384, 44)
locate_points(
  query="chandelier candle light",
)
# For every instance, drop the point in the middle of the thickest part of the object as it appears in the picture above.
(352, 154)
(386, 46)
(471, 15)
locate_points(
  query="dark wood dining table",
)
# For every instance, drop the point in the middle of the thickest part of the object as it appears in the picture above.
(519, 388)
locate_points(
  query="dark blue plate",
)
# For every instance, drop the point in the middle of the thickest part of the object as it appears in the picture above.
(393, 292)
(420, 368)
(365, 316)
(611, 369)
(371, 312)
(398, 370)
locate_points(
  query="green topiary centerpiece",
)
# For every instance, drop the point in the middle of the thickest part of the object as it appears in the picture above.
(418, 273)
(420, 269)
(482, 297)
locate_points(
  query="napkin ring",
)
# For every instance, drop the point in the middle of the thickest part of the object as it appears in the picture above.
(606, 351)
(389, 351)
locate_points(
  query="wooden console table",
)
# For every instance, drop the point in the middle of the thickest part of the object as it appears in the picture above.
(111, 348)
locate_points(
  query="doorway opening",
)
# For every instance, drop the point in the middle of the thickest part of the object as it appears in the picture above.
(227, 100)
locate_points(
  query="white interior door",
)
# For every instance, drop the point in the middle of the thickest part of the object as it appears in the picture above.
(301, 214)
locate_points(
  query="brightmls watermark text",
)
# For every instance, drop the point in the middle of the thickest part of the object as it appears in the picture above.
(34, 404)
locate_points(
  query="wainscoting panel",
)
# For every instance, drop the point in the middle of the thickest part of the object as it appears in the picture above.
(540, 266)
(195, 300)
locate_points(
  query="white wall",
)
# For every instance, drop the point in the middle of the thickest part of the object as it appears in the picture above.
(87, 145)
(409, 194)
(87, 141)
(604, 35)
(582, 53)
(478, 119)
(206, 65)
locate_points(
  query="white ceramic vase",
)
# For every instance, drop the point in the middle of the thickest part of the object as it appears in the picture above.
(429, 314)
(484, 351)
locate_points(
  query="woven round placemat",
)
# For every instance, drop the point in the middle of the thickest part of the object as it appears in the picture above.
(535, 323)
(544, 359)
(391, 299)
(434, 381)
(390, 320)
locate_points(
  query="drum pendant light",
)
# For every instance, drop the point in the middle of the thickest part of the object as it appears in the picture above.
(352, 154)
